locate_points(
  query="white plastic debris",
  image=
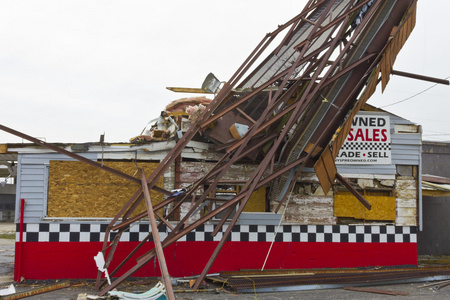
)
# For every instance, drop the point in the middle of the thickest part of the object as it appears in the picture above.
(157, 292)
(100, 261)
(8, 291)
(82, 296)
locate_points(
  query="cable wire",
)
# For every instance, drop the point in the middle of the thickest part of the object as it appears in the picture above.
(413, 95)
(278, 228)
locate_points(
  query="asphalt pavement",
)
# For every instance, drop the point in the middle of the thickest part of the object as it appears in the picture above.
(413, 291)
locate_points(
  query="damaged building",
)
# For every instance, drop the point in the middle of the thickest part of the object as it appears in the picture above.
(69, 205)
(286, 167)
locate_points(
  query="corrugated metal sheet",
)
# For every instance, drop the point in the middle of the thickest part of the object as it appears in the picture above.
(406, 148)
(370, 169)
(405, 139)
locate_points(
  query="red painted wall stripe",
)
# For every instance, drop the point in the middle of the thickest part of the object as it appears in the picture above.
(57, 260)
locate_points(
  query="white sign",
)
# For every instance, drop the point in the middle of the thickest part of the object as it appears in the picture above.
(368, 142)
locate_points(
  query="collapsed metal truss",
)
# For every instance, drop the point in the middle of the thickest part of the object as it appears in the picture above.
(298, 104)
(293, 103)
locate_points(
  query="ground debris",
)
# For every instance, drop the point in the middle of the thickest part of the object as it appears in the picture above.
(85, 296)
(375, 291)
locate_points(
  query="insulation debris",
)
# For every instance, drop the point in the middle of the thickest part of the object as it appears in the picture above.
(157, 292)
(181, 105)
(178, 115)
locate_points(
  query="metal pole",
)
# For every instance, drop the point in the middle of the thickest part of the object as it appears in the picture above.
(18, 275)
(156, 240)
(420, 77)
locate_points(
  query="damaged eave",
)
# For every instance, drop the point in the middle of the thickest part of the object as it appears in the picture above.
(148, 151)
(435, 189)
(435, 186)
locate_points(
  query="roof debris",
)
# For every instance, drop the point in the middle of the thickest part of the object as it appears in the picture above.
(178, 116)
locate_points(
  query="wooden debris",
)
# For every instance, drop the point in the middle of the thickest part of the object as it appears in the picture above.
(37, 291)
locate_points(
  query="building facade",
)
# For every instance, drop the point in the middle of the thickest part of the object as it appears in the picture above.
(68, 206)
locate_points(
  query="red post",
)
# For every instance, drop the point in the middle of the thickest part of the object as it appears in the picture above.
(18, 273)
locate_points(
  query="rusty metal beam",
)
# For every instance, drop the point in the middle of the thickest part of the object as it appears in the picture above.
(144, 240)
(334, 22)
(228, 164)
(262, 167)
(252, 183)
(77, 157)
(355, 193)
(281, 114)
(68, 153)
(420, 77)
(335, 64)
(174, 236)
(375, 291)
(254, 92)
(159, 250)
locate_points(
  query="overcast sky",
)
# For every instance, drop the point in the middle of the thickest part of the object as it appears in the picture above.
(71, 70)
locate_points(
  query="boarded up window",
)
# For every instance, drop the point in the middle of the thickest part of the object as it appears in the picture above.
(78, 190)
(257, 201)
(383, 206)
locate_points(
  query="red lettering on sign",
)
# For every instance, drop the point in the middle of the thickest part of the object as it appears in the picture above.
(367, 135)
(350, 135)
(359, 134)
(376, 134)
(383, 133)
(368, 139)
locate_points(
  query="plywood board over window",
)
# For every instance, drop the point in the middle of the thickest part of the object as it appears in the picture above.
(257, 201)
(383, 206)
(78, 190)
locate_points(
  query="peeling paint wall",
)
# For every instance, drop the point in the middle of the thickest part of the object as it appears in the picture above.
(406, 188)
(393, 201)
(314, 210)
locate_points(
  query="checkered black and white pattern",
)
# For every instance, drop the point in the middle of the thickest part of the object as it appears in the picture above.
(64, 232)
(357, 146)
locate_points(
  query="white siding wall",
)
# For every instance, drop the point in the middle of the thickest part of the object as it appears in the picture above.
(32, 183)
